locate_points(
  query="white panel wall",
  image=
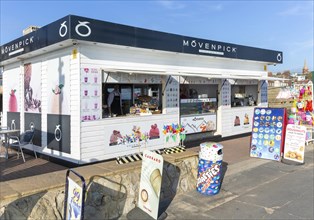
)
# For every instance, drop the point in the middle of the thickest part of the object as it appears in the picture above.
(42, 63)
(95, 136)
(75, 104)
(228, 117)
(118, 54)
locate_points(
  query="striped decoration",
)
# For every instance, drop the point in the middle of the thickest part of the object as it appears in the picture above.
(173, 150)
(132, 157)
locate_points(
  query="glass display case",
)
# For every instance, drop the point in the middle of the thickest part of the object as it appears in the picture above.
(198, 106)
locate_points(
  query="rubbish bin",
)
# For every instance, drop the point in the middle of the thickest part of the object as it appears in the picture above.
(209, 168)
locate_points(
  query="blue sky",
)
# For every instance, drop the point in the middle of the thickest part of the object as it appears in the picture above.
(278, 25)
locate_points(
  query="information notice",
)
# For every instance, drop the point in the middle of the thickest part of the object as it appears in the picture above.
(295, 143)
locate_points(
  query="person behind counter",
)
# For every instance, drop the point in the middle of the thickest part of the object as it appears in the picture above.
(114, 102)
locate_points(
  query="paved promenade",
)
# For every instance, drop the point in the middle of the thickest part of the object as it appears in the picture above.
(254, 189)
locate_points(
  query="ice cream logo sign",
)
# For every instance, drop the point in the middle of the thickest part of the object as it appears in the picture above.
(210, 48)
(17, 47)
(81, 29)
(206, 177)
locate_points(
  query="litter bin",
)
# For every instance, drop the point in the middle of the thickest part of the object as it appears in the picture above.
(209, 168)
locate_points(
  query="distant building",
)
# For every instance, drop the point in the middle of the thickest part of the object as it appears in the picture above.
(305, 69)
(300, 78)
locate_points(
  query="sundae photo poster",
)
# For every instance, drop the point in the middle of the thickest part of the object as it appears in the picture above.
(32, 88)
(150, 184)
(58, 89)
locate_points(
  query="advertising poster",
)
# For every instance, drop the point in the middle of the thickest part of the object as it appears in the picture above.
(58, 92)
(198, 123)
(74, 201)
(32, 88)
(141, 135)
(13, 92)
(58, 83)
(295, 143)
(268, 133)
(242, 120)
(91, 108)
(150, 184)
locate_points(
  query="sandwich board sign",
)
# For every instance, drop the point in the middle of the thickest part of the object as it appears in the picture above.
(150, 184)
(295, 143)
(74, 198)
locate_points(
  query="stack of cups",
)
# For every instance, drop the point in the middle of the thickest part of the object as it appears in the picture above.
(209, 168)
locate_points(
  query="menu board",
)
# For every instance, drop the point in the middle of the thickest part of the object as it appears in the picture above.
(268, 133)
(226, 97)
(90, 94)
(172, 95)
(295, 143)
(264, 92)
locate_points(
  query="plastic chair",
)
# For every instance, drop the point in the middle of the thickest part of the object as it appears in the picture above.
(2, 136)
(25, 139)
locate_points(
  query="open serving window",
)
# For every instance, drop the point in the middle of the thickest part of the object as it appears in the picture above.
(124, 94)
(244, 95)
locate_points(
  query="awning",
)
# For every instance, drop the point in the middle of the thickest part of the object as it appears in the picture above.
(222, 74)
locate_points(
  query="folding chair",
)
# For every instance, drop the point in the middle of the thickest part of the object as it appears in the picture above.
(25, 139)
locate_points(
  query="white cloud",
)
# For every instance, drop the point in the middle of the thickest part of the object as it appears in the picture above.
(217, 7)
(172, 5)
(308, 44)
(305, 9)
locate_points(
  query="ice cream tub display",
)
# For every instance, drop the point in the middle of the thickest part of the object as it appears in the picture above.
(209, 177)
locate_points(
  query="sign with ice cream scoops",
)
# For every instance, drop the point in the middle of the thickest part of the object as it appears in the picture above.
(295, 143)
(150, 185)
(268, 133)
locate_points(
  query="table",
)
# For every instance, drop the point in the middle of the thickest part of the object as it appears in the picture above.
(7, 132)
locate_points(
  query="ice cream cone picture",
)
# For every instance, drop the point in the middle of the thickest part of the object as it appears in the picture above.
(155, 181)
(150, 184)
(55, 102)
(12, 101)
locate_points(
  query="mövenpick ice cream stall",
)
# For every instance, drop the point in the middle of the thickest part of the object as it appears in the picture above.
(95, 90)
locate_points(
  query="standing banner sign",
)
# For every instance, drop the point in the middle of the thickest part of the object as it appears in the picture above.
(74, 198)
(295, 143)
(150, 185)
(268, 133)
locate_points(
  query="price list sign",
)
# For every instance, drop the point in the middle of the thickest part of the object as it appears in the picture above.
(268, 133)
(226, 97)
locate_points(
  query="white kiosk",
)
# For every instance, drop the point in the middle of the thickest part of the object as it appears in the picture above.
(58, 78)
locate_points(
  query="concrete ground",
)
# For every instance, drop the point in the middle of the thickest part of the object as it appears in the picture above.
(254, 189)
